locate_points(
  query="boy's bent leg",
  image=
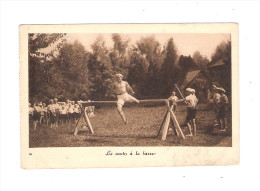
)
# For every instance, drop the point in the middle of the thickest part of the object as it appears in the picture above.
(132, 99)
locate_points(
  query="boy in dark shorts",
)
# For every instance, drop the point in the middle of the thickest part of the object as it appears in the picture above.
(191, 101)
(223, 107)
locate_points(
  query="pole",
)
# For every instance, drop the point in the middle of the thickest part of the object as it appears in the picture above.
(179, 91)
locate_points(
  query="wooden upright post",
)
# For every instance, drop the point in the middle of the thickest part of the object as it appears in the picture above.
(177, 124)
(83, 121)
(169, 116)
(165, 127)
(88, 122)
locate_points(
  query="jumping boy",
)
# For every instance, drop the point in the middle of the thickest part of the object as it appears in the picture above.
(121, 89)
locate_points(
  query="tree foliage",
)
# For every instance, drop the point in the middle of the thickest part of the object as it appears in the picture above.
(170, 70)
(223, 54)
(40, 70)
(68, 71)
(71, 68)
(101, 68)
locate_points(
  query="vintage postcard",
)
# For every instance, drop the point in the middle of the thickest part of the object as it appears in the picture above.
(129, 95)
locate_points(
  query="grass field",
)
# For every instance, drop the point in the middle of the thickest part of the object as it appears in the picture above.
(142, 129)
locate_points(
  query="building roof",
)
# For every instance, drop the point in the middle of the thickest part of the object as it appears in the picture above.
(190, 76)
(218, 63)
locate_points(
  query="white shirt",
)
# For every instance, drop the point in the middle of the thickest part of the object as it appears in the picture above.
(51, 108)
(31, 109)
(76, 109)
(63, 110)
(216, 98)
(174, 98)
(191, 101)
(71, 110)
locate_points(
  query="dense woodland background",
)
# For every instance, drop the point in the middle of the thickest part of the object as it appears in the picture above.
(69, 71)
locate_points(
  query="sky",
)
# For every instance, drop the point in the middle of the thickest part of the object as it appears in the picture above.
(186, 43)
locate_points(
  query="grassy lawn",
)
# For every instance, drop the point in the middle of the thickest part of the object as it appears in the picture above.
(142, 129)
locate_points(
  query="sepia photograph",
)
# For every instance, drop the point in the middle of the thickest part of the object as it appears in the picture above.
(132, 95)
(97, 75)
(125, 89)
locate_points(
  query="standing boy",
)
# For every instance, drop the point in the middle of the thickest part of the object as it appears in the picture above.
(216, 99)
(173, 101)
(223, 107)
(191, 101)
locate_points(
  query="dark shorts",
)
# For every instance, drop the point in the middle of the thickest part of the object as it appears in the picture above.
(53, 118)
(36, 116)
(76, 115)
(222, 113)
(191, 113)
(30, 117)
(63, 117)
(71, 115)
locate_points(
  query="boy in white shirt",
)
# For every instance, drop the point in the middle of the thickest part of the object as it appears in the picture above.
(52, 113)
(36, 114)
(173, 101)
(216, 99)
(71, 112)
(63, 114)
(191, 101)
(57, 111)
(76, 110)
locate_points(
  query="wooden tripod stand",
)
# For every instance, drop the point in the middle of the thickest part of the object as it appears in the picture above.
(169, 116)
(83, 121)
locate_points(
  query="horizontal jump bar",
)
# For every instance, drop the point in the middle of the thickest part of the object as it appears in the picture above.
(95, 103)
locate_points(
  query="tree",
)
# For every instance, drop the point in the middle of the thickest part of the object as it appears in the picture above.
(223, 54)
(138, 72)
(151, 49)
(38, 41)
(72, 75)
(39, 62)
(101, 70)
(118, 55)
(170, 69)
(187, 63)
(199, 60)
(119, 44)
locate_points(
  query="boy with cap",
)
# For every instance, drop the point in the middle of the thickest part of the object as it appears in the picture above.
(216, 99)
(191, 101)
(223, 107)
(121, 89)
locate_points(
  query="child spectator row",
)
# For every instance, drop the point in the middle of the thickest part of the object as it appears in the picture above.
(57, 113)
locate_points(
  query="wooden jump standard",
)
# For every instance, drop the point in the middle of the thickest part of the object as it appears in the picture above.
(168, 117)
